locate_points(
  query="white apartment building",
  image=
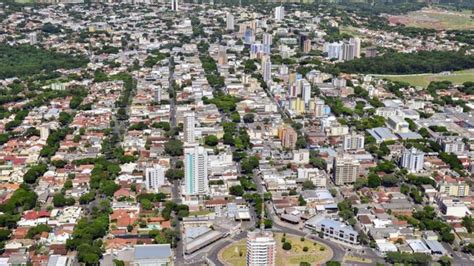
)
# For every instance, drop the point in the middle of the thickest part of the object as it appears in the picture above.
(154, 177)
(195, 171)
(412, 159)
(261, 248)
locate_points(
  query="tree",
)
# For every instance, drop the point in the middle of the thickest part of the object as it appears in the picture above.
(211, 140)
(374, 181)
(249, 118)
(445, 261)
(236, 190)
(468, 223)
(268, 223)
(301, 201)
(389, 181)
(146, 204)
(174, 147)
(308, 185)
(286, 246)
(64, 118)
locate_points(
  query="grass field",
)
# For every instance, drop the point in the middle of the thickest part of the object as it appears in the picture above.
(24, 1)
(435, 18)
(423, 80)
(235, 254)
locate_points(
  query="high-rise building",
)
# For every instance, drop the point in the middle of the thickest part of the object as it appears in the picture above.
(345, 170)
(279, 13)
(333, 50)
(157, 94)
(305, 91)
(454, 145)
(318, 108)
(348, 50)
(356, 42)
(33, 38)
(261, 248)
(302, 38)
(44, 132)
(174, 5)
(195, 171)
(229, 22)
(288, 137)
(371, 52)
(307, 46)
(267, 43)
(189, 128)
(353, 142)
(266, 68)
(154, 177)
(412, 159)
(222, 56)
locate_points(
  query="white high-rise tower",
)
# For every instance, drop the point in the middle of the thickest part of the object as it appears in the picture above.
(174, 5)
(189, 127)
(229, 22)
(261, 248)
(154, 177)
(195, 171)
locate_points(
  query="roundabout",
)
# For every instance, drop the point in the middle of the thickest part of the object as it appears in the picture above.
(302, 250)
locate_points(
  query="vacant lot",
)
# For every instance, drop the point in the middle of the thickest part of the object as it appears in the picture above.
(317, 253)
(434, 18)
(423, 80)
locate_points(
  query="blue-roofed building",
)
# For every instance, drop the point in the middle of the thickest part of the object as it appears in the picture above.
(333, 229)
(156, 255)
(381, 134)
(435, 247)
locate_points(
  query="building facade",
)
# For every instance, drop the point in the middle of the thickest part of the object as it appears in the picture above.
(345, 170)
(189, 128)
(154, 177)
(195, 171)
(261, 248)
(412, 159)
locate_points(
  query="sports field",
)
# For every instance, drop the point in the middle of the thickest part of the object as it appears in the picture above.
(436, 18)
(457, 77)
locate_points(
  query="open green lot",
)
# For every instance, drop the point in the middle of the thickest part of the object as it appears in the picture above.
(436, 18)
(318, 253)
(457, 77)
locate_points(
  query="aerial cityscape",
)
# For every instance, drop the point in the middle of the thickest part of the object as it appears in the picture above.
(236, 132)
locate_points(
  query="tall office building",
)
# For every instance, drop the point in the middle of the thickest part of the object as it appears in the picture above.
(229, 22)
(261, 248)
(412, 159)
(353, 142)
(345, 170)
(356, 42)
(195, 171)
(174, 5)
(266, 68)
(189, 127)
(279, 13)
(154, 177)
